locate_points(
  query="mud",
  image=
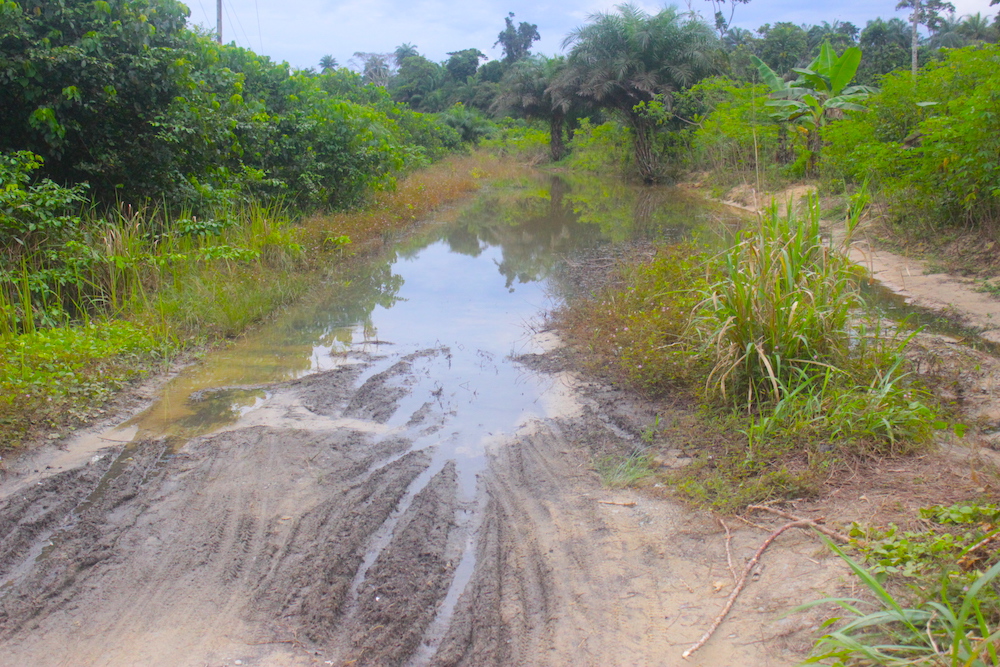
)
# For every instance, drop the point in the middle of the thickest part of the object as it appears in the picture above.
(311, 531)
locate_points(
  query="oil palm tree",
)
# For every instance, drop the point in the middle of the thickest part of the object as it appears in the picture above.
(528, 87)
(625, 59)
(327, 63)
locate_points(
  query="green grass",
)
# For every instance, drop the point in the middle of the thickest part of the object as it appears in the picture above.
(772, 340)
(617, 471)
(955, 628)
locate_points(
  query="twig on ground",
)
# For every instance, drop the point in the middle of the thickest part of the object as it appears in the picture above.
(729, 549)
(813, 523)
(741, 583)
(629, 503)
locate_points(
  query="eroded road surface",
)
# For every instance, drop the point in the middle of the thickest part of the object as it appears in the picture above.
(397, 473)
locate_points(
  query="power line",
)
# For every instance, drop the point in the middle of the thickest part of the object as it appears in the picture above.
(260, 36)
(235, 16)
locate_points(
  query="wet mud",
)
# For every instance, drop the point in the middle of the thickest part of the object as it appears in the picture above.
(310, 542)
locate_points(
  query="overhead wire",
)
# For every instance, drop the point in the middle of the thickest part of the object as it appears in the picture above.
(236, 18)
(260, 35)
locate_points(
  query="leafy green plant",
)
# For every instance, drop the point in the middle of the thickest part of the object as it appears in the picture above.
(821, 88)
(950, 630)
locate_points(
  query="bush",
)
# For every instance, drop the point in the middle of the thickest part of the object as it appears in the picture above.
(931, 147)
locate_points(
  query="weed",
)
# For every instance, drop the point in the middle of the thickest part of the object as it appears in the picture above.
(771, 337)
(949, 630)
(618, 471)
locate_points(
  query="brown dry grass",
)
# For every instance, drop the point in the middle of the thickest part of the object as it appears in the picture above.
(414, 198)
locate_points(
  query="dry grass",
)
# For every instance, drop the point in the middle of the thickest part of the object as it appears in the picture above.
(415, 197)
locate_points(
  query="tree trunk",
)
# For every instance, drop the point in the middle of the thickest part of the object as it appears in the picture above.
(646, 159)
(914, 40)
(557, 149)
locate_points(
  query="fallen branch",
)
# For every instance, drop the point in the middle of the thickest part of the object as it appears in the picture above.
(816, 524)
(729, 550)
(741, 583)
(630, 503)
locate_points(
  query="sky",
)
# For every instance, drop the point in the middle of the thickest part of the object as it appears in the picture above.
(302, 31)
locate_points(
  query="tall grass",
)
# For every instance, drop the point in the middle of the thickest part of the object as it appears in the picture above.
(782, 308)
(952, 630)
(772, 337)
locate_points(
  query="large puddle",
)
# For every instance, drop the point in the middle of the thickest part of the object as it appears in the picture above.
(473, 287)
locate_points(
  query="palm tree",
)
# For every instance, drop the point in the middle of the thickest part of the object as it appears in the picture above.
(977, 28)
(327, 63)
(626, 58)
(948, 34)
(404, 51)
(527, 87)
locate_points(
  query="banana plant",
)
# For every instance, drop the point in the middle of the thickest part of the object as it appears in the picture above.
(820, 88)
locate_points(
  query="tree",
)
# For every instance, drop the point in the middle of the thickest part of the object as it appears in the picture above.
(783, 45)
(463, 64)
(977, 28)
(886, 45)
(404, 51)
(722, 22)
(327, 63)
(417, 78)
(927, 13)
(516, 42)
(626, 59)
(527, 87)
(376, 68)
(839, 34)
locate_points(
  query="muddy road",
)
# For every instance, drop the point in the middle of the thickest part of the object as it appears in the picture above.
(397, 473)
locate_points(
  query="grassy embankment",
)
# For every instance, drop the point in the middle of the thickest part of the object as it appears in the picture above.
(150, 295)
(770, 343)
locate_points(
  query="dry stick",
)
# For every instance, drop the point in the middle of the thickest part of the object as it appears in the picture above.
(630, 503)
(740, 584)
(729, 550)
(840, 537)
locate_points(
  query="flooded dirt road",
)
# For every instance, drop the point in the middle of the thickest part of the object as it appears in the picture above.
(397, 472)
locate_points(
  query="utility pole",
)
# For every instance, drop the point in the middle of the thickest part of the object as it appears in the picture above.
(218, 19)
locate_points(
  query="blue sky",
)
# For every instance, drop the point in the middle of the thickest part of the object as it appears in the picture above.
(302, 31)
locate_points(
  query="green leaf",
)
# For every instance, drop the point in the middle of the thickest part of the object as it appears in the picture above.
(843, 71)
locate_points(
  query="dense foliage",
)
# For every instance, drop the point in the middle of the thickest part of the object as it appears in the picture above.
(123, 96)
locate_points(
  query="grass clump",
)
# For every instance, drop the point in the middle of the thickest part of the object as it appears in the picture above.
(771, 338)
(617, 471)
(948, 618)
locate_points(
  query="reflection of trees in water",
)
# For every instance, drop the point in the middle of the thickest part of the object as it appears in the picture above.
(552, 218)
(626, 213)
(346, 301)
(534, 228)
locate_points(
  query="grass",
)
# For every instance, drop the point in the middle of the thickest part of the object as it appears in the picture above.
(953, 629)
(111, 303)
(617, 471)
(771, 340)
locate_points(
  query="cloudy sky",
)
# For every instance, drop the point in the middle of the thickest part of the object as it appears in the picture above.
(302, 31)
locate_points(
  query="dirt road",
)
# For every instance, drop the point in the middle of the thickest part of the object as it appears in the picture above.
(314, 531)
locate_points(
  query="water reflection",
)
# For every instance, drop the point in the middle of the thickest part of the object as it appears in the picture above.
(470, 284)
